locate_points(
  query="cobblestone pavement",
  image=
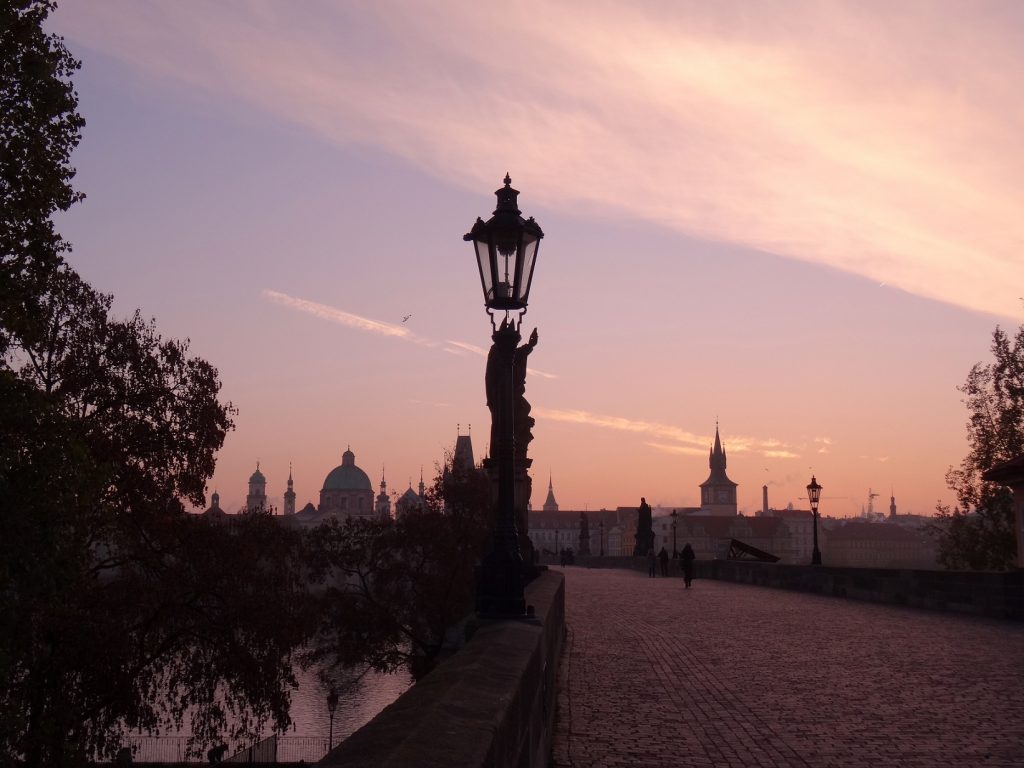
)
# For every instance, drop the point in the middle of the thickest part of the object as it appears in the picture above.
(732, 675)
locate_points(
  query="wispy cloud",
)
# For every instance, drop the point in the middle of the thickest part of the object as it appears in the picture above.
(903, 166)
(777, 454)
(685, 450)
(335, 315)
(681, 440)
(369, 325)
(462, 346)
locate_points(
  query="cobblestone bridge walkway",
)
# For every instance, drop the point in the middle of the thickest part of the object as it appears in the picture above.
(732, 675)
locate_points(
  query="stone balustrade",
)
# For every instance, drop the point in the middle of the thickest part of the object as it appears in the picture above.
(490, 704)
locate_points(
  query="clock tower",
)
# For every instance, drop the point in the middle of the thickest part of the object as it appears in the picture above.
(718, 492)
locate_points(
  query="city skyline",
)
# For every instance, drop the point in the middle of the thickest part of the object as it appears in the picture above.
(797, 223)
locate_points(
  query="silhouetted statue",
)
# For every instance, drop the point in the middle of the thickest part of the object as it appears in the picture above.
(644, 532)
(498, 379)
(523, 422)
(584, 534)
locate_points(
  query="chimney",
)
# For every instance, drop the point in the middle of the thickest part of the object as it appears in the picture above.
(764, 500)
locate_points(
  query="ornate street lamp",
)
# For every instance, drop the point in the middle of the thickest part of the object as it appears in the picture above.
(506, 253)
(675, 552)
(332, 705)
(814, 496)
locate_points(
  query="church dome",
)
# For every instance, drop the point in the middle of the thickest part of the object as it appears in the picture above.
(257, 476)
(347, 477)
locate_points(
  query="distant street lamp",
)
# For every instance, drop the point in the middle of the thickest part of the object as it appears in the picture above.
(814, 495)
(675, 552)
(506, 254)
(332, 704)
(600, 525)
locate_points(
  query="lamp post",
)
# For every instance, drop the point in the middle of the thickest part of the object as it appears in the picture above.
(675, 551)
(814, 495)
(506, 253)
(600, 526)
(332, 704)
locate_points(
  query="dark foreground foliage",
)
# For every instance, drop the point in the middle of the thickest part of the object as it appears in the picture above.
(117, 609)
(978, 533)
(386, 592)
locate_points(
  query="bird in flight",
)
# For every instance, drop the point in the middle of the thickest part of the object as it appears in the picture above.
(406, 318)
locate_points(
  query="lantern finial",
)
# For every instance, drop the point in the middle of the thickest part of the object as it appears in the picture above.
(508, 180)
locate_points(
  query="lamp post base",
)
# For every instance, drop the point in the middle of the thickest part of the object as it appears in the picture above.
(816, 558)
(499, 586)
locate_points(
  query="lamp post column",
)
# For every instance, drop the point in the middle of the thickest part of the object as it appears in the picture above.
(500, 575)
(814, 496)
(506, 254)
(675, 550)
(332, 705)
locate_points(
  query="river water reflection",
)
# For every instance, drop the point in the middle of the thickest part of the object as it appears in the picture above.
(357, 704)
(359, 701)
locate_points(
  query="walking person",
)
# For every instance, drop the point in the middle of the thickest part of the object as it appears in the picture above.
(686, 558)
(652, 563)
(663, 559)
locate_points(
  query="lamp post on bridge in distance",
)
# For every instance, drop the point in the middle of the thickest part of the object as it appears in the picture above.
(814, 496)
(675, 552)
(506, 253)
(332, 705)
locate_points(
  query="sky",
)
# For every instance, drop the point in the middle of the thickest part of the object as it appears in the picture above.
(800, 220)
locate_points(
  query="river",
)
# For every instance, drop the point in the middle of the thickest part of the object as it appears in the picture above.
(307, 739)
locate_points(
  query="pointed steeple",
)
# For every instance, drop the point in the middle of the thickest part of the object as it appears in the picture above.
(289, 495)
(423, 488)
(383, 503)
(717, 455)
(550, 505)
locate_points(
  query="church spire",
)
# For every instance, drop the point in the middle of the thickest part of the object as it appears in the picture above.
(716, 459)
(289, 495)
(718, 492)
(550, 505)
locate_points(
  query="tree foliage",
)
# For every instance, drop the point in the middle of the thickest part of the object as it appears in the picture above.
(978, 534)
(388, 591)
(118, 611)
(39, 128)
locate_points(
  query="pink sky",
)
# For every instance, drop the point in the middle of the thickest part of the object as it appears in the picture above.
(801, 219)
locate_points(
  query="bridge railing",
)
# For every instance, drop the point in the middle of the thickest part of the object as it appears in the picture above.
(993, 594)
(490, 704)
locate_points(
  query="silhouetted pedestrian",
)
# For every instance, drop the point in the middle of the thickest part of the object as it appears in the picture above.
(652, 563)
(663, 559)
(562, 557)
(686, 558)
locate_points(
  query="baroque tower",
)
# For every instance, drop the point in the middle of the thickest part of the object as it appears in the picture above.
(289, 495)
(718, 492)
(383, 506)
(257, 499)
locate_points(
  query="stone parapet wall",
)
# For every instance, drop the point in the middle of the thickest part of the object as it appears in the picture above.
(992, 594)
(491, 704)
